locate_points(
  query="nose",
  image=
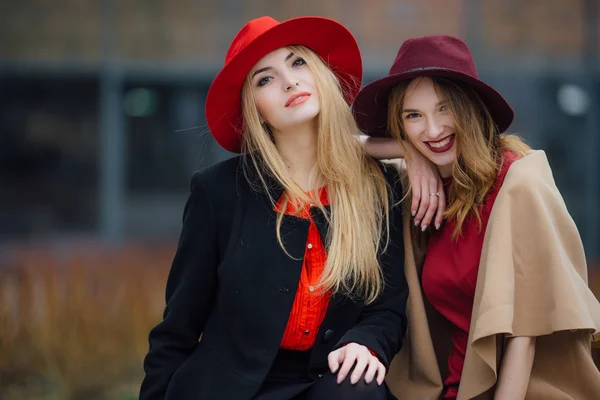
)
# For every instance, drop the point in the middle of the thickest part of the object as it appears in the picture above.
(289, 82)
(435, 128)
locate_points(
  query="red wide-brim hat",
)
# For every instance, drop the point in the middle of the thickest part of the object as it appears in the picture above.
(428, 56)
(329, 39)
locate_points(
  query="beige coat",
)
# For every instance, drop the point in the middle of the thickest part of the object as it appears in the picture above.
(532, 281)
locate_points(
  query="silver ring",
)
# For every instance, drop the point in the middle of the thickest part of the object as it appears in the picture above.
(435, 194)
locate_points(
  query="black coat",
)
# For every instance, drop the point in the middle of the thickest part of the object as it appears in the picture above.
(232, 284)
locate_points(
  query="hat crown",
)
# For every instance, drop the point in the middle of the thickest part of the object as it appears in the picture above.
(248, 34)
(434, 52)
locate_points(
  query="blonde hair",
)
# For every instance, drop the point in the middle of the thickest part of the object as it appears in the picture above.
(479, 146)
(356, 186)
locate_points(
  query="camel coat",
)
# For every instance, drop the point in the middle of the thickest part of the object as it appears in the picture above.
(532, 281)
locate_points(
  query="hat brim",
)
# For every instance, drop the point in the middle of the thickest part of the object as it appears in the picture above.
(329, 39)
(371, 104)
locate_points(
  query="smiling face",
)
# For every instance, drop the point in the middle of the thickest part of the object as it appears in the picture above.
(428, 124)
(284, 90)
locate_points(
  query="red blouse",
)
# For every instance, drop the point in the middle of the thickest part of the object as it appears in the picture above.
(310, 306)
(450, 275)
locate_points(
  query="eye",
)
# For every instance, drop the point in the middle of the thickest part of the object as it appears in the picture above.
(412, 115)
(263, 81)
(299, 62)
(443, 108)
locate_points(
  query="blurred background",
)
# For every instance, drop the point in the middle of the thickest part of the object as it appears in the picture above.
(102, 125)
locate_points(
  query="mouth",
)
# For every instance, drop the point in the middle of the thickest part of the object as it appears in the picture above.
(297, 98)
(442, 145)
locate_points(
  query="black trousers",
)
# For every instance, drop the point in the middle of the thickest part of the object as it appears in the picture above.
(288, 379)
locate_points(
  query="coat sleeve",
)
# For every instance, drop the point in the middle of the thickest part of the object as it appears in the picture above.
(382, 324)
(189, 294)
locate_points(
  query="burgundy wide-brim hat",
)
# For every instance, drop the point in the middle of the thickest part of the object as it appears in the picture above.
(329, 39)
(428, 56)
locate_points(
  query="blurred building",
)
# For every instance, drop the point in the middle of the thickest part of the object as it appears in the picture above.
(102, 103)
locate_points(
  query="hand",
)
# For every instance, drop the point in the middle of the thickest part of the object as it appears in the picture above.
(425, 181)
(423, 176)
(346, 357)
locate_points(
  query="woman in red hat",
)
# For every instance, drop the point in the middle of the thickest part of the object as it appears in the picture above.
(499, 303)
(288, 266)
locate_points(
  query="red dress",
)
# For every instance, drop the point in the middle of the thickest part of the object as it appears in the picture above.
(450, 275)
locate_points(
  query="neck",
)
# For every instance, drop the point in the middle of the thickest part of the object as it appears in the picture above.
(298, 147)
(445, 170)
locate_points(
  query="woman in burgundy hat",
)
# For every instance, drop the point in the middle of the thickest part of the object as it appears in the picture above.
(288, 266)
(499, 304)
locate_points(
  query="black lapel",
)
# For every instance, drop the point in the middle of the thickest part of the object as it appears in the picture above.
(321, 222)
(284, 272)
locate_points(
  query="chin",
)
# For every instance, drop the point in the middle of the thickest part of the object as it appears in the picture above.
(303, 118)
(295, 123)
(443, 161)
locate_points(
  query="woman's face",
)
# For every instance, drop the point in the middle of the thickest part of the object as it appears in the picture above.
(428, 124)
(284, 90)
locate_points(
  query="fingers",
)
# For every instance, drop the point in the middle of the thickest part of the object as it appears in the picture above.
(335, 358)
(362, 362)
(371, 371)
(380, 373)
(441, 207)
(365, 364)
(349, 359)
(424, 203)
(433, 204)
(416, 198)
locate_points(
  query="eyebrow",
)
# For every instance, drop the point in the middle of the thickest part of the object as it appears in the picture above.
(411, 110)
(258, 71)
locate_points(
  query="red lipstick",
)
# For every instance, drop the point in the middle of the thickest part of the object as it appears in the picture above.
(297, 98)
(443, 148)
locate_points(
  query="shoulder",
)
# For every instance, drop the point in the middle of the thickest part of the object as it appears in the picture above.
(390, 173)
(222, 182)
(529, 188)
(219, 175)
(530, 174)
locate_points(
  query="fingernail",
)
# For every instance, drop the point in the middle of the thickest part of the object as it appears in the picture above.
(417, 222)
(353, 380)
(437, 226)
(423, 228)
(413, 213)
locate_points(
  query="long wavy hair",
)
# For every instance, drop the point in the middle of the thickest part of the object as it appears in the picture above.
(356, 187)
(479, 146)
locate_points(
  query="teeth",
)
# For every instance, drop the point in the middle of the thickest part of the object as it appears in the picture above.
(440, 144)
(297, 99)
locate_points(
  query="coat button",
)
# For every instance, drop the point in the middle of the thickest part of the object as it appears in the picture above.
(310, 246)
(328, 335)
